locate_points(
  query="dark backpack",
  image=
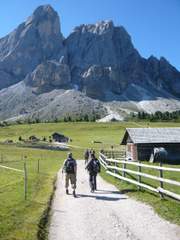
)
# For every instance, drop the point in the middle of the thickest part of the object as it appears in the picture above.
(70, 165)
(95, 166)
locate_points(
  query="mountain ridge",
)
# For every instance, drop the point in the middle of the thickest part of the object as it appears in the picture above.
(97, 60)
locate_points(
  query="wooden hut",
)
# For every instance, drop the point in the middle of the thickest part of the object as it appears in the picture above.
(140, 142)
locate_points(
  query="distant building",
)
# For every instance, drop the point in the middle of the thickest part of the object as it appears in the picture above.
(57, 137)
(140, 142)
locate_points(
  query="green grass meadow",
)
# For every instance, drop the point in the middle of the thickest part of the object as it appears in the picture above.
(26, 220)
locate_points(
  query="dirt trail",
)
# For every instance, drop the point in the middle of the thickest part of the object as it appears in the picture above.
(104, 215)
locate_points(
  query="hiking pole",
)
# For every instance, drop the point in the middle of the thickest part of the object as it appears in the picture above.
(62, 174)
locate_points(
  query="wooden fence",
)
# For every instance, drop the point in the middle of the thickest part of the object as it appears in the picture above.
(116, 166)
(24, 172)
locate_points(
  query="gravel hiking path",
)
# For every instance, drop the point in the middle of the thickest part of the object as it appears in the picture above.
(104, 215)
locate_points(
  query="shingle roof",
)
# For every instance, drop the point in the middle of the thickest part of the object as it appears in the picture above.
(152, 135)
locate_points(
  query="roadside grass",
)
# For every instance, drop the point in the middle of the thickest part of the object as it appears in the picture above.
(19, 219)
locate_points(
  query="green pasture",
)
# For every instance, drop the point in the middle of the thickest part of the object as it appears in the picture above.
(20, 219)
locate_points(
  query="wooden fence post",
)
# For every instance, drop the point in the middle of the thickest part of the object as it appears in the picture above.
(104, 159)
(113, 156)
(139, 177)
(38, 165)
(161, 176)
(115, 164)
(25, 181)
(124, 167)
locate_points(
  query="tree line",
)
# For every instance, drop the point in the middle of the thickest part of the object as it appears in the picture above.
(140, 116)
(66, 118)
(157, 116)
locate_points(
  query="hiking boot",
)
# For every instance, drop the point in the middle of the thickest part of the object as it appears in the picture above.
(74, 193)
(67, 191)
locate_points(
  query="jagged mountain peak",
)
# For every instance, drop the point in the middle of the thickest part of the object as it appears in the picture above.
(34, 41)
(96, 59)
(47, 18)
(100, 28)
(44, 10)
(97, 28)
(152, 58)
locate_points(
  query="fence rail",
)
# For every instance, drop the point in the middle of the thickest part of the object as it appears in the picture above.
(23, 172)
(10, 168)
(143, 165)
(111, 166)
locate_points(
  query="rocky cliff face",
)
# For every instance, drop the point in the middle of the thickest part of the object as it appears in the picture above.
(98, 54)
(99, 44)
(48, 76)
(96, 59)
(163, 75)
(104, 62)
(33, 42)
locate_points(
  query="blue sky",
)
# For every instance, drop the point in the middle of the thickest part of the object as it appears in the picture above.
(154, 25)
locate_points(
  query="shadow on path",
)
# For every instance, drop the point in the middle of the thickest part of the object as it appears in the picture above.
(104, 198)
(99, 191)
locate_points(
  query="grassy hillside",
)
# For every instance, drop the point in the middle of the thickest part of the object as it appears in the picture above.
(20, 219)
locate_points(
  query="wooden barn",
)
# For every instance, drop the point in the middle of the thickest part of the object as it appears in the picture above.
(57, 137)
(140, 142)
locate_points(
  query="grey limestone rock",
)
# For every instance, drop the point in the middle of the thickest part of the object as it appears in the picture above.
(34, 41)
(95, 61)
(99, 81)
(48, 76)
(100, 44)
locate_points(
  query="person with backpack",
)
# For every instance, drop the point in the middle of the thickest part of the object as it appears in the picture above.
(70, 169)
(93, 167)
(86, 156)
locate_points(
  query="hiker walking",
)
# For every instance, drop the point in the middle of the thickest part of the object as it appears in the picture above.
(91, 151)
(86, 156)
(93, 167)
(70, 169)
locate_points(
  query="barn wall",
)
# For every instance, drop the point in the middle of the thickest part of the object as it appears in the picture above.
(144, 151)
(131, 151)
